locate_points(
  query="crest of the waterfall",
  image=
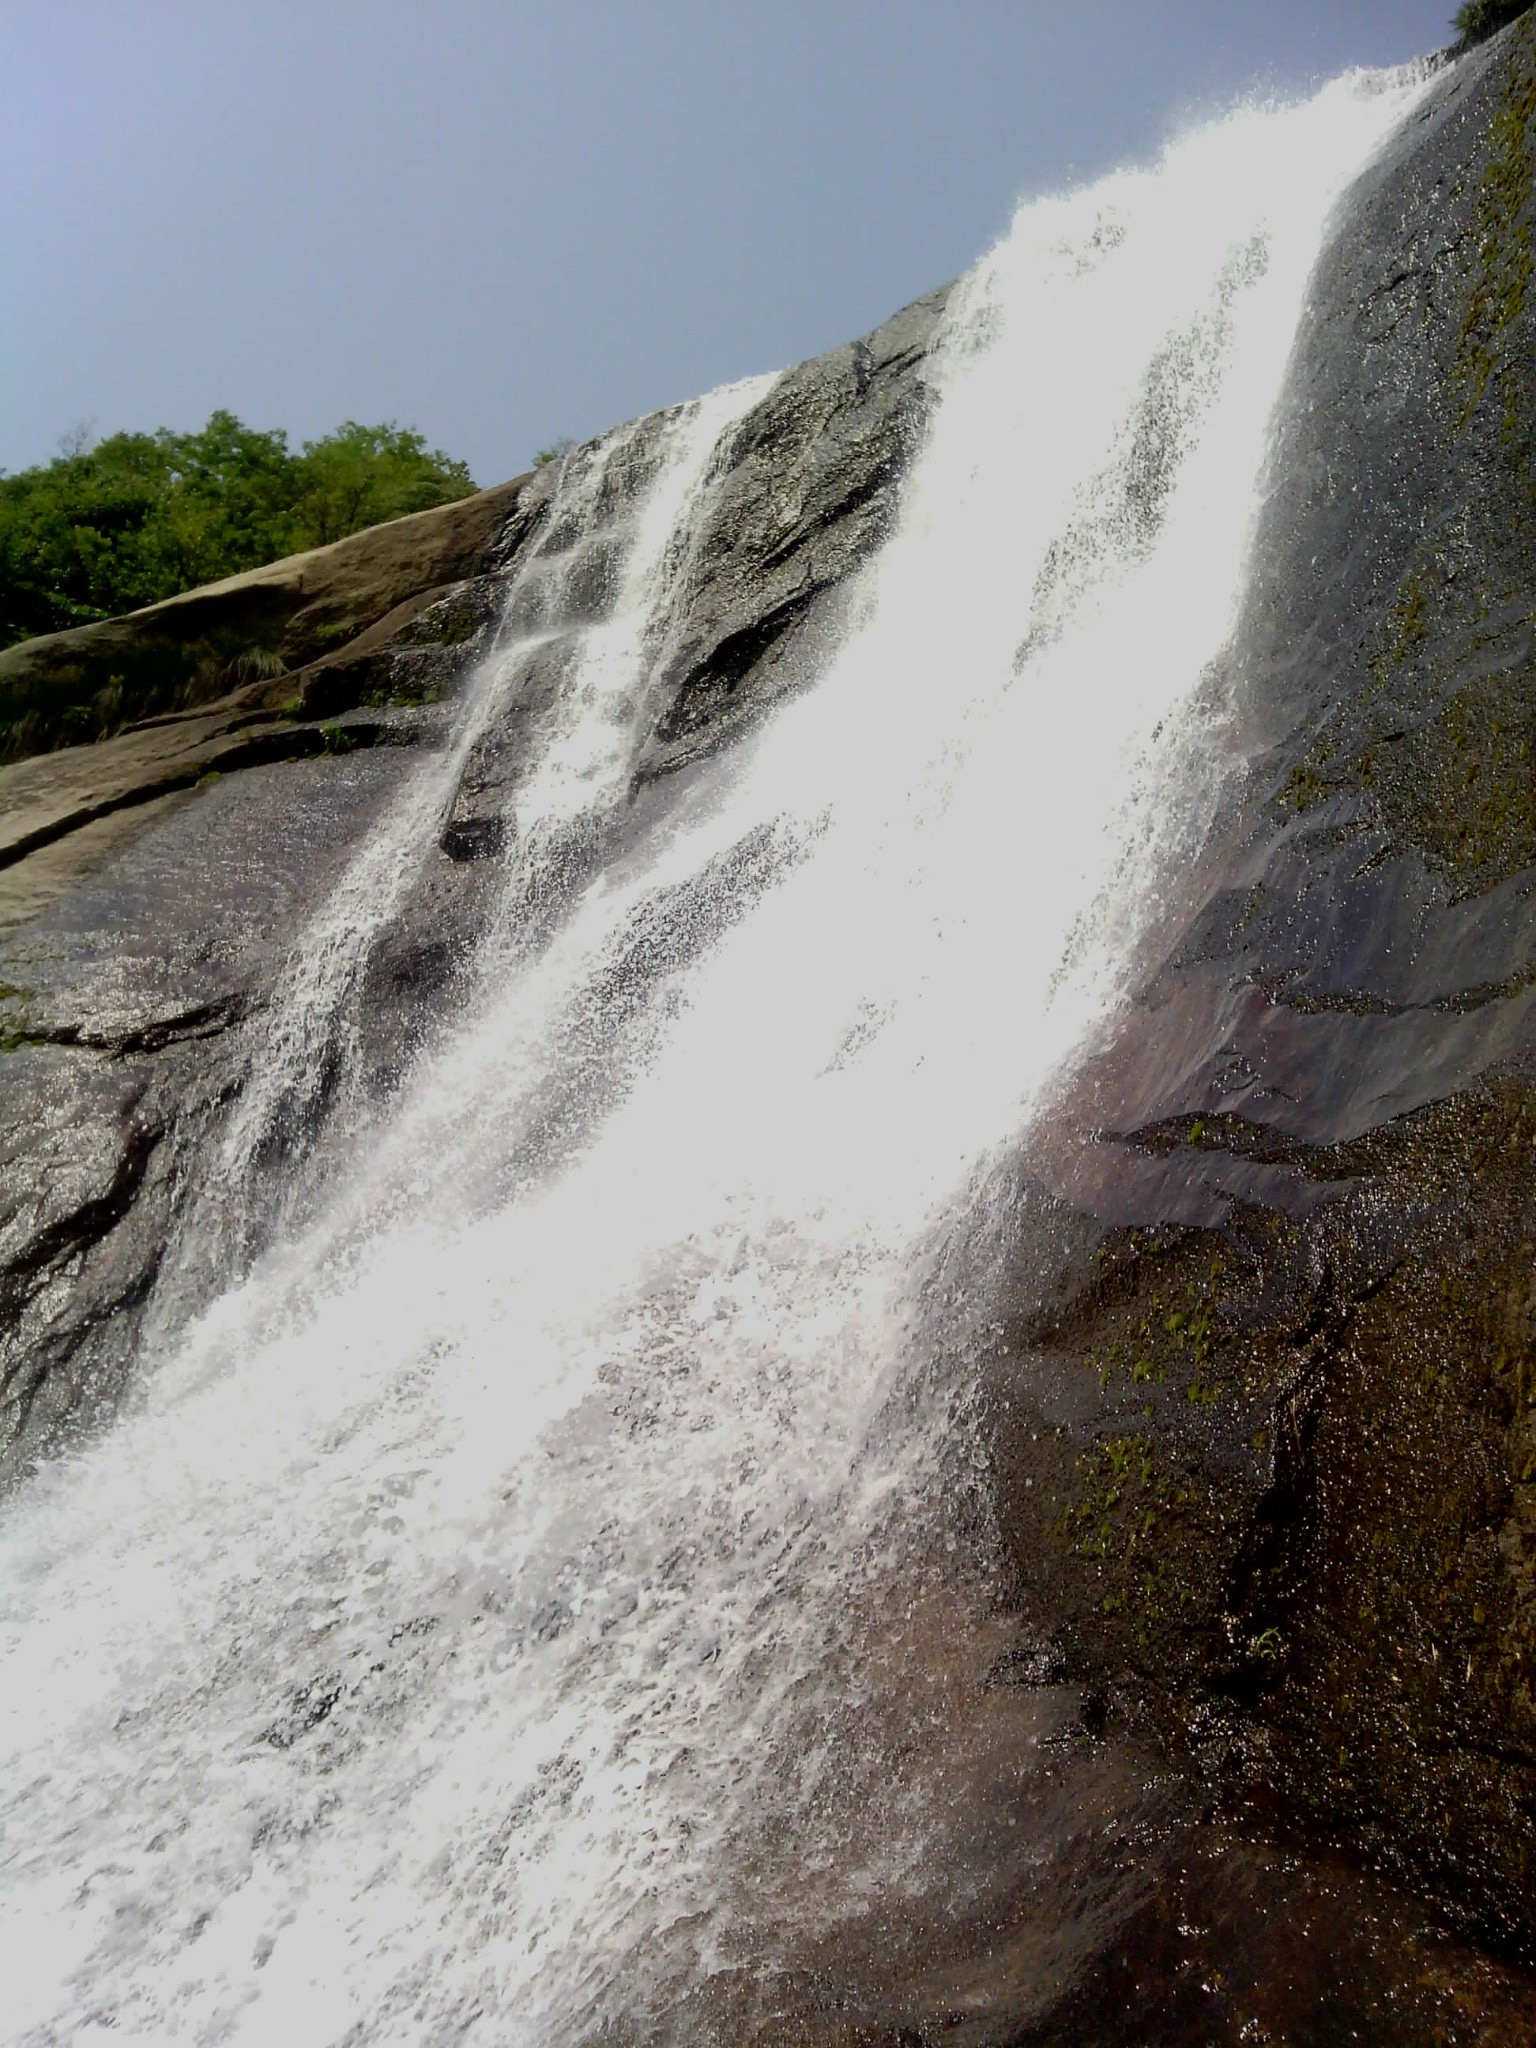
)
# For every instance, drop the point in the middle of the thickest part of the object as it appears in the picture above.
(497, 1613)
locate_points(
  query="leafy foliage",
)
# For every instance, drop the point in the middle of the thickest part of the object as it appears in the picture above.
(1479, 19)
(360, 475)
(139, 517)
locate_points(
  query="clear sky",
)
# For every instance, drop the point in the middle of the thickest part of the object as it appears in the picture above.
(503, 222)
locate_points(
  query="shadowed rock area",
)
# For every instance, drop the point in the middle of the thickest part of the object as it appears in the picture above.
(1263, 1412)
(1260, 1396)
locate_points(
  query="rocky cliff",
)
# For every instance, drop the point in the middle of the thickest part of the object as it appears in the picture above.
(1261, 1416)
(1264, 1432)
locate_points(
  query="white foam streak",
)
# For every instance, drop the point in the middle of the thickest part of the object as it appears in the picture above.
(589, 752)
(471, 1628)
(586, 751)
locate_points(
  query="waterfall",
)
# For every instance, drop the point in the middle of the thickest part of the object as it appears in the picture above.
(582, 757)
(509, 1610)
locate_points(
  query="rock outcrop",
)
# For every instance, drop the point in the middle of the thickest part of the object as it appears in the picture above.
(1266, 1425)
(258, 668)
(294, 635)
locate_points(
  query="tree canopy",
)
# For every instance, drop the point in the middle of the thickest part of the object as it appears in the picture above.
(139, 517)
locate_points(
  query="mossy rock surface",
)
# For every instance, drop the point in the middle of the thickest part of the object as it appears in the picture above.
(1272, 1487)
(1265, 1432)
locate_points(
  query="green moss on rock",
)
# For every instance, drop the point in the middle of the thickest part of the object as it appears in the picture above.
(1501, 278)
(1324, 1582)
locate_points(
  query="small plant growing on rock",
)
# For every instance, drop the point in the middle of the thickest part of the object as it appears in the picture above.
(1479, 19)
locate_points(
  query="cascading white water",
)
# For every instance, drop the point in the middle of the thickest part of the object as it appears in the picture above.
(583, 756)
(471, 1631)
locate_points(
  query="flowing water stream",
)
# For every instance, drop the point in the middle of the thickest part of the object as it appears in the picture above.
(584, 753)
(503, 1611)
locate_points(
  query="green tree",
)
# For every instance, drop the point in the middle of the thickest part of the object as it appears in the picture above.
(139, 517)
(360, 475)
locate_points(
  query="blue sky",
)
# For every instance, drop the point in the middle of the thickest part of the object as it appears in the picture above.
(504, 222)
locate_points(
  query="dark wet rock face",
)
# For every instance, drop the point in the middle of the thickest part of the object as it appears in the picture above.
(805, 491)
(123, 1014)
(809, 497)
(1264, 1406)
(1260, 1383)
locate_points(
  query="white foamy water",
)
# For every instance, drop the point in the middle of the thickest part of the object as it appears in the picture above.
(585, 744)
(477, 1629)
